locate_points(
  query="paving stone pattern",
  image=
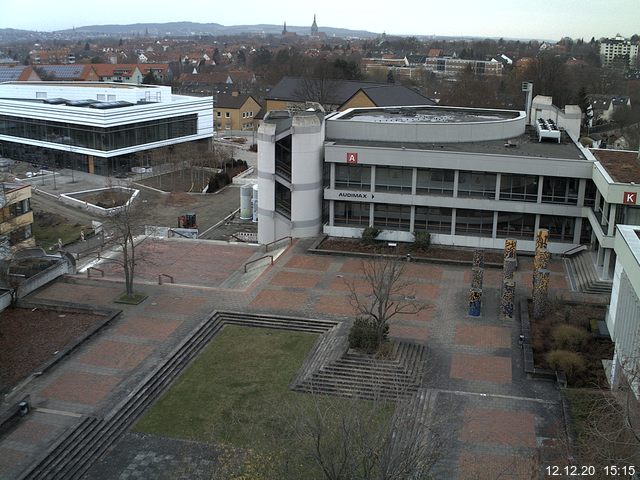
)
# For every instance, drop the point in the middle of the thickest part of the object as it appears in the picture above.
(474, 364)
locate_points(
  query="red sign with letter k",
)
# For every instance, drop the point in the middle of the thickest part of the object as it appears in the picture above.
(630, 198)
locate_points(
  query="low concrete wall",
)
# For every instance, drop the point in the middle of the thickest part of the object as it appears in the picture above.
(66, 265)
(68, 199)
(5, 299)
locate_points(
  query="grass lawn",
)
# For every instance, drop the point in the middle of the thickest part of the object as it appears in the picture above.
(227, 394)
(48, 228)
(235, 394)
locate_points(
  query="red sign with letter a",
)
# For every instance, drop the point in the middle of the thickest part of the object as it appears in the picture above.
(630, 198)
(352, 158)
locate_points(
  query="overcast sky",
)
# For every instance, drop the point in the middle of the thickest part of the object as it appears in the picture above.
(550, 19)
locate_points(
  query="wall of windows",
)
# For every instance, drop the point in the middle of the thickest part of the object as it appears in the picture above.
(516, 225)
(433, 219)
(96, 138)
(477, 184)
(394, 179)
(519, 187)
(560, 190)
(283, 157)
(283, 200)
(354, 177)
(435, 181)
(560, 228)
(392, 217)
(352, 214)
(474, 222)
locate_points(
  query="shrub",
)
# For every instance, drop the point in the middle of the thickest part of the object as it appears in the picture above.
(569, 362)
(569, 337)
(422, 239)
(369, 235)
(364, 335)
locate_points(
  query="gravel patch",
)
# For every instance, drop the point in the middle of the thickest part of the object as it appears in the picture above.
(29, 337)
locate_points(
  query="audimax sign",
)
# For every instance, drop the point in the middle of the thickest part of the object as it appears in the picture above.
(359, 195)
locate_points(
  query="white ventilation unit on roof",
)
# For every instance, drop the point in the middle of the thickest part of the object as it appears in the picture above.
(547, 129)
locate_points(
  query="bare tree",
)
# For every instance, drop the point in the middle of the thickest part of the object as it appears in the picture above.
(125, 225)
(387, 294)
(354, 439)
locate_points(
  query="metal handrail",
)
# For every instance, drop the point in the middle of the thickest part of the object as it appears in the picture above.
(257, 259)
(164, 275)
(573, 250)
(96, 269)
(266, 247)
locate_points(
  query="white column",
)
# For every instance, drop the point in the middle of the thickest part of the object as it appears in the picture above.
(456, 176)
(540, 185)
(612, 219)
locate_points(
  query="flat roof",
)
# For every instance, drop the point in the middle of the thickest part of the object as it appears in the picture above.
(622, 166)
(426, 114)
(522, 146)
(80, 84)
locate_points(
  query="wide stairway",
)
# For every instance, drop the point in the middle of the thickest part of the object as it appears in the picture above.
(337, 371)
(412, 423)
(584, 276)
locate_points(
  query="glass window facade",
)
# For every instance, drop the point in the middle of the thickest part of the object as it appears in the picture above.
(433, 219)
(394, 179)
(560, 228)
(354, 177)
(283, 200)
(474, 222)
(477, 184)
(434, 181)
(97, 138)
(392, 217)
(560, 190)
(516, 225)
(590, 193)
(352, 214)
(519, 187)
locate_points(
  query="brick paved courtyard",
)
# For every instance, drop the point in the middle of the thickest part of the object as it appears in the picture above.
(475, 363)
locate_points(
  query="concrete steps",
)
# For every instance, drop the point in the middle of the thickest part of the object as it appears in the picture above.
(585, 277)
(411, 422)
(72, 457)
(355, 374)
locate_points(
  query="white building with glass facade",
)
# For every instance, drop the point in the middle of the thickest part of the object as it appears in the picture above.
(97, 127)
(469, 177)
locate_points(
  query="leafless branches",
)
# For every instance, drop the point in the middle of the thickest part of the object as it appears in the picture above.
(387, 293)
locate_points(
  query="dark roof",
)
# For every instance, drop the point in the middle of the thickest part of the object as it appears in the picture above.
(416, 59)
(11, 74)
(296, 89)
(260, 115)
(65, 72)
(391, 95)
(622, 165)
(227, 100)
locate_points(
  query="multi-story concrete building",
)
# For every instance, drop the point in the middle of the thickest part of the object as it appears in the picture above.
(618, 49)
(16, 216)
(454, 66)
(97, 127)
(623, 315)
(470, 177)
